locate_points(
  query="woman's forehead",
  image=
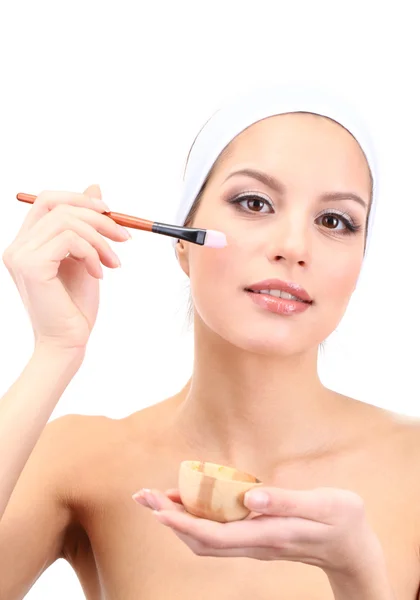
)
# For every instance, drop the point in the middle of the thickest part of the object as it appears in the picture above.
(290, 130)
(298, 140)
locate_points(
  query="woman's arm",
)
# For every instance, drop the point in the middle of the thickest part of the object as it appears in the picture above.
(26, 408)
(370, 582)
(33, 475)
(324, 527)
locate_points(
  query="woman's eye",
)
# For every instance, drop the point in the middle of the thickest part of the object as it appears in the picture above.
(253, 203)
(331, 221)
(339, 222)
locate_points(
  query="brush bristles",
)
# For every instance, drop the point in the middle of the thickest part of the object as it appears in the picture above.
(215, 239)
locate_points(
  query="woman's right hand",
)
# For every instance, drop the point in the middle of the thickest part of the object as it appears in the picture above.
(55, 262)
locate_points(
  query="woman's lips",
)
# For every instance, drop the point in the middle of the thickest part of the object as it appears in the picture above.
(280, 306)
(290, 287)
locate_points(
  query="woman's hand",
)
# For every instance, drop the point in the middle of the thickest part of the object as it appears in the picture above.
(324, 527)
(55, 262)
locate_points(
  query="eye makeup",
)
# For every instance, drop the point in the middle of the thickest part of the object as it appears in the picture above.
(242, 203)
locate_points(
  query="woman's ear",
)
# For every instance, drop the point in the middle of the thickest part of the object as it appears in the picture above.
(182, 255)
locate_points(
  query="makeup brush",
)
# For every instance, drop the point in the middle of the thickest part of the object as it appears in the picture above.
(202, 237)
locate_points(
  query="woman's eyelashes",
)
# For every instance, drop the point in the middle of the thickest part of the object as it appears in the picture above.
(251, 199)
(349, 224)
(251, 203)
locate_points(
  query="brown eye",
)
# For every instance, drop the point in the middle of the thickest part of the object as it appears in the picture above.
(255, 204)
(339, 223)
(249, 203)
(330, 221)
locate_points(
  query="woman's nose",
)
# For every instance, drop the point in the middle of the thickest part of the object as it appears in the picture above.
(290, 241)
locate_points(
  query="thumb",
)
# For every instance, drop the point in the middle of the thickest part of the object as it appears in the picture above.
(94, 191)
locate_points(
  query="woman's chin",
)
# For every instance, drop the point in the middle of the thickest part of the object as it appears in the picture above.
(263, 340)
(267, 346)
(264, 334)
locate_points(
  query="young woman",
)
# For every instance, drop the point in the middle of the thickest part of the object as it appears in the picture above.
(290, 179)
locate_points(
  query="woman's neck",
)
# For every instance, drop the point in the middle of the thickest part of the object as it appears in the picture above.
(254, 410)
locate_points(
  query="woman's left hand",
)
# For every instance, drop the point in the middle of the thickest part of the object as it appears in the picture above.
(324, 527)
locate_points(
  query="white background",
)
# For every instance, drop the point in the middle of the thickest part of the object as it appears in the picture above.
(114, 93)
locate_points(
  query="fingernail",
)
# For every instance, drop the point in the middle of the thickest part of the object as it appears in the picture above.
(159, 517)
(256, 499)
(139, 497)
(127, 235)
(151, 499)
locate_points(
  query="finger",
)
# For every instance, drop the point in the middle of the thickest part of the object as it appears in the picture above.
(174, 495)
(101, 223)
(322, 504)
(50, 255)
(156, 500)
(262, 531)
(200, 549)
(90, 227)
(139, 498)
(255, 552)
(165, 503)
(259, 553)
(47, 200)
(94, 191)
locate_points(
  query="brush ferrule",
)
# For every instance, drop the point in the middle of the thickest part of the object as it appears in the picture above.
(195, 236)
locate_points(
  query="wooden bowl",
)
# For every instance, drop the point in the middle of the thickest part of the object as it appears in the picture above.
(213, 491)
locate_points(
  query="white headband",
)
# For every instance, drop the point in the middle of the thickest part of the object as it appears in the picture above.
(246, 109)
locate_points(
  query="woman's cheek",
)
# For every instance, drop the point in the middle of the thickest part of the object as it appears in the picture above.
(341, 281)
(212, 275)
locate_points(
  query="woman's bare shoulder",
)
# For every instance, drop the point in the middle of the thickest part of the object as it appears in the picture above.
(88, 435)
(396, 438)
(88, 445)
(75, 440)
(383, 420)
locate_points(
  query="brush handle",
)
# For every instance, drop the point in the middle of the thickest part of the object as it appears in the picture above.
(121, 219)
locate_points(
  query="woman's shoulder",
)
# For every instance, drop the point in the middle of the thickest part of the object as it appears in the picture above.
(393, 438)
(78, 435)
(90, 432)
(90, 452)
(405, 436)
(382, 436)
(76, 441)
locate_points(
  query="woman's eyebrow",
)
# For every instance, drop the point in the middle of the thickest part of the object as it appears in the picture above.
(279, 187)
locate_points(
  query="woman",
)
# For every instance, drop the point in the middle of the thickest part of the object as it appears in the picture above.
(337, 516)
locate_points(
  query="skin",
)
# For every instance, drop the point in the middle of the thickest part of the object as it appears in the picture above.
(266, 413)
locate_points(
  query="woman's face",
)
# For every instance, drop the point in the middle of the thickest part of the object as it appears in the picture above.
(294, 233)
